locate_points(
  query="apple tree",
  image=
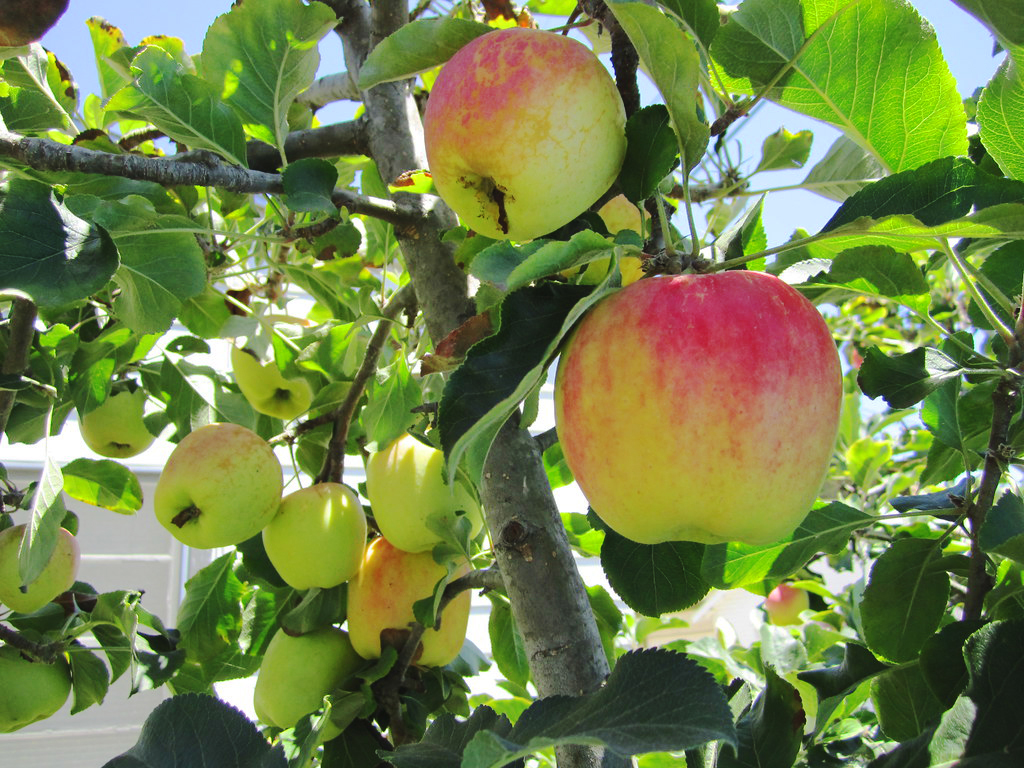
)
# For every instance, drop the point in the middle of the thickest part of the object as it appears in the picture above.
(193, 246)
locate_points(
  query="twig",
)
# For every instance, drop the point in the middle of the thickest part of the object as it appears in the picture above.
(44, 652)
(22, 330)
(334, 463)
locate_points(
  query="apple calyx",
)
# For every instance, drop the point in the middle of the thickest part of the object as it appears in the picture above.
(186, 516)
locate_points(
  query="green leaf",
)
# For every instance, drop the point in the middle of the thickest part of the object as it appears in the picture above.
(309, 183)
(557, 255)
(784, 150)
(652, 151)
(193, 729)
(1004, 269)
(49, 252)
(1005, 18)
(822, 59)
(904, 702)
(356, 747)
(210, 615)
(931, 503)
(674, 65)
(506, 643)
(446, 739)
(48, 513)
(904, 380)
(103, 483)
(388, 414)
(846, 168)
(770, 731)
(834, 684)
(825, 529)
(877, 270)
(940, 191)
(1000, 112)
(260, 56)
(30, 105)
(111, 54)
(416, 47)
(183, 106)
(905, 599)
(702, 17)
(942, 660)
(654, 579)
(501, 370)
(90, 679)
(1003, 530)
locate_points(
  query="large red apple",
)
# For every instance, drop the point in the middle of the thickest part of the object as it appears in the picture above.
(700, 408)
(524, 131)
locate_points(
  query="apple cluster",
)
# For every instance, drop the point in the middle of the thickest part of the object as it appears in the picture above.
(223, 484)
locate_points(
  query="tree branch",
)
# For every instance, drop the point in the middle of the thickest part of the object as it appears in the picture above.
(19, 345)
(334, 462)
(340, 86)
(200, 169)
(46, 653)
(334, 140)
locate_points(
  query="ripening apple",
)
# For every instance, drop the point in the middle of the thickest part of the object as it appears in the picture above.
(115, 429)
(405, 484)
(524, 131)
(784, 604)
(617, 214)
(266, 388)
(700, 408)
(297, 671)
(221, 485)
(317, 537)
(56, 578)
(32, 690)
(380, 600)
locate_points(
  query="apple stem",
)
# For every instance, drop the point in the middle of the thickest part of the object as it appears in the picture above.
(187, 515)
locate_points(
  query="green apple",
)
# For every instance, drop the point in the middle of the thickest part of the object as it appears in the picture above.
(380, 604)
(115, 429)
(784, 604)
(405, 484)
(524, 131)
(221, 485)
(32, 690)
(56, 578)
(700, 407)
(298, 671)
(317, 537)
(266, 389)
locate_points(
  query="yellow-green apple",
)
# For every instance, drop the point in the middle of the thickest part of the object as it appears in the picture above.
(221, 485)
(405, 484)
(297, 671)
(115, 429)
(784, 604)
(56, 577)
(32, 690)
(266, 388)
(317, 537)
(617, 214)
(700, 407)
(524, 131)
(380, 604)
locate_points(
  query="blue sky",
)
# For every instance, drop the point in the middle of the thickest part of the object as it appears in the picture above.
(966, 44)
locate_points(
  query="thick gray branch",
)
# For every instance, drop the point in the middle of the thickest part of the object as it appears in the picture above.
(340, 86)
(200, 169)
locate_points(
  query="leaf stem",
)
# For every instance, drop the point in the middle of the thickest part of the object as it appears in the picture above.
(963, 270)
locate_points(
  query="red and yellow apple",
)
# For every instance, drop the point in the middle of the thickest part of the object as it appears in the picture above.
(56, 577)
(405, 484)
(32, 690)
(524, 131)
(381, 597)
(115, 428)
(317, 537)
(784, 604)
(266, 388)
(297, 671)
(220, 486)
(700, 408)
